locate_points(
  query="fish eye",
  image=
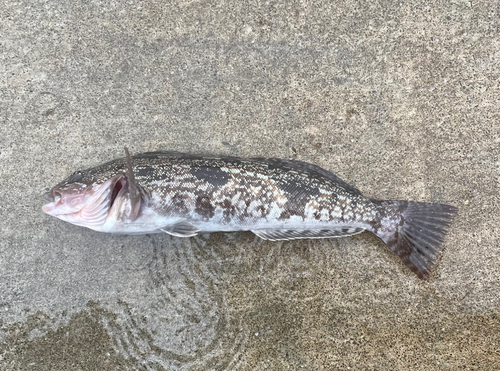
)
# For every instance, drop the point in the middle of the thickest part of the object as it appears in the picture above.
(75, 177)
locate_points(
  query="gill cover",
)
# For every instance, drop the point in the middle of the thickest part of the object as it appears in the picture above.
(126, 198)
(134, 191)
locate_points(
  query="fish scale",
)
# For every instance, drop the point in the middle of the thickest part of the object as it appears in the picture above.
(183, 194)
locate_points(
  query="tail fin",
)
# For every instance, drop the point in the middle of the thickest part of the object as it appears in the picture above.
(414, 231)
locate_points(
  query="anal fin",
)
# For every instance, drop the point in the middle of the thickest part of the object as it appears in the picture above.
(181, 229)
(292, 234)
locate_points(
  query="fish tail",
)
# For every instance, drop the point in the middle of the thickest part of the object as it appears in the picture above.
(414, 231)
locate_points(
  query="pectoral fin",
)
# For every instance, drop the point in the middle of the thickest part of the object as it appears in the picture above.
(292, 234)
(181, 229)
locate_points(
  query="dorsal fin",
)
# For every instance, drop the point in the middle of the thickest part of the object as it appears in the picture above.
(305, 166)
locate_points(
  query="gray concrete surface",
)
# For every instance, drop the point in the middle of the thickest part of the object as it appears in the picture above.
(400, 99)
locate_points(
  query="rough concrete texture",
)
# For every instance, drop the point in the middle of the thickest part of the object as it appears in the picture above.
(400, 99)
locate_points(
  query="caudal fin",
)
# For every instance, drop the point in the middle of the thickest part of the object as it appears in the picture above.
(415, 232)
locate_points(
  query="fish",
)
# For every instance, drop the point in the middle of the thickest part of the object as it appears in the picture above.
(277, 199)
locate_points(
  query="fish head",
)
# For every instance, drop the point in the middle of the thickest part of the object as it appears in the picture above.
(92, 197)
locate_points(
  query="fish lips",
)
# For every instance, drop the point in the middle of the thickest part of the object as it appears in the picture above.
(61, 203)
(49, 196)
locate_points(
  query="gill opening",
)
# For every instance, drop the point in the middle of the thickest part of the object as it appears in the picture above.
(119, 185)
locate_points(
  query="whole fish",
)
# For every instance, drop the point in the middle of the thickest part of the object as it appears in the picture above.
(182, 195)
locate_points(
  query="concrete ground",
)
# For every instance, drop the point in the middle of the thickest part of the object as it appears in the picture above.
(400, 99)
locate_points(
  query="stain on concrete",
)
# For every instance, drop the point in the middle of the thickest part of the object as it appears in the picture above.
(81, 344)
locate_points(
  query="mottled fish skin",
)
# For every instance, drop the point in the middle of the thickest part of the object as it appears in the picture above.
(183, 194)
(231, 194)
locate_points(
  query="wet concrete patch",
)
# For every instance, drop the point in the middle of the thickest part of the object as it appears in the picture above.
(81, 344)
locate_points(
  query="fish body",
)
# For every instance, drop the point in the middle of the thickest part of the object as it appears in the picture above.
(182, 195)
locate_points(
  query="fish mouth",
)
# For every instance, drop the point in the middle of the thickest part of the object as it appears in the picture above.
(56, 205)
